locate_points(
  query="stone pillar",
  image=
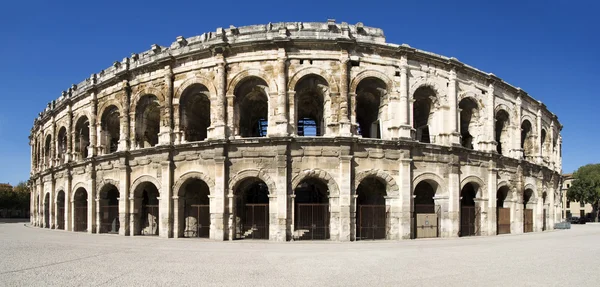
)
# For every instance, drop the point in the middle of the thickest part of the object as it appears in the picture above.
(92, 204)
(491, 119)
(217, 199)
(406, 197)
(278, 226)
(177, 209)
(353, 123)
(165, 203)
(232, 126)
(99, 212)
(517, 150)
(446, 226)
(405, 112)
(93, 132)
(538, 137)
(293, 111)
(552, 156)
(516, 218)
(70, 140)
(53, 143)
(165, 136)
(345, 125)
(68, 203)
(124, 194)
(125, 122)
(453, 114)
(51, 206)
(281, 119)
(346, 195)
(218, 128)
(135, 205)
(452, 221)
(490, 209)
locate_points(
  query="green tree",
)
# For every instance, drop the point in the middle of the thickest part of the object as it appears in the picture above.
(586, 187)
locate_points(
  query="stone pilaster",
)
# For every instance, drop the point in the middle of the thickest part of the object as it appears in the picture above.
(281, 119)
(124, 194)
(516, 123)
(217, 199)
(92, 127)
(218, 128)
(452, 118)
(70, 140)
(345, 126)
(406, 197)
(165, 202)
(490, 122)
(491, 206)
(451, 221)
(538, 143)
(404, 112)
(278, 225)
(124, 119)
(92, 205)
(346, 195)
(165, 136)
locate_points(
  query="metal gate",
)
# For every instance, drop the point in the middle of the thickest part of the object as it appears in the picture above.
(527, 220)
(312, 221)
(469, 220)
(149, 220)
(81, 215)
(60, 218)
(503, 224)
(197, 221)
(255, 224)
(371, 222)
(109, 222)
(426, 221)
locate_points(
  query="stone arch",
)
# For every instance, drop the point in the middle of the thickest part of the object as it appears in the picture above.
(192, 175)
(78, 115)
(371, 74)
(475, 179)
(105, 182)
(107, 104)
(430, 177)
(147, 91)
(243, 75)
(58, 190)
(78, 186)
(294, 79)
(392, 188)
(142, 179)
(503, 107)
(197, 79)
(534, 194)
(427, 82)
(332, 186)
(249, 173)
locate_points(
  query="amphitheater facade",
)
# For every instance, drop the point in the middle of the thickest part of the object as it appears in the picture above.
(295, 131)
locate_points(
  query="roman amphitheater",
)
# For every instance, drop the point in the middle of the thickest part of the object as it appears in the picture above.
(295, 131)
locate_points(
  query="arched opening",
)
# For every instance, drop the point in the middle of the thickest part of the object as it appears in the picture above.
(82, 138)
(147, 121)
(311, 210)
(502, 132)
(252, 210)
(195, 113)
(194, 209)
(526, 139)
(60, 210)
(47, 210)
(425, 212)
(251, 107)
(80, 205)
(527, 211)
(310, 105)
(370, 97)
(109, 209)
(424, 98)
(371, 213)
(468, 122)
(146, 201)
(469, 212)
(503, 213)
(545, 212)
(62, 145)
(544, 144)
(36, 157)
(111, 130)
(48, 150)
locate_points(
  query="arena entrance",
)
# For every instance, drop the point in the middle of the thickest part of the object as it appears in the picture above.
(47, 210)
(80, 206)
(109, 210)
(252, 210)
(60, 210)
(503, 213)
(147, 219)
(311, 210)
(426, 215)
(196, 209)
(469, 213)
(371, 212)
(527, 212)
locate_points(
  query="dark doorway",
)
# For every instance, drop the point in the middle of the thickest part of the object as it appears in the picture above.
(252, 209)
(109, 210)
(503, 213)
(371, 213)
(469, 213)
(60, 210)
(196, 209)
(80, 206)
(425, 212)
(311, 210)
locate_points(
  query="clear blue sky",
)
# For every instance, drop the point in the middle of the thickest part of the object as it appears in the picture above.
(551, 49)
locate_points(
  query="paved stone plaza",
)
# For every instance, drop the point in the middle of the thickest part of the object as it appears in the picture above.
(42, 257)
